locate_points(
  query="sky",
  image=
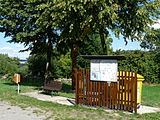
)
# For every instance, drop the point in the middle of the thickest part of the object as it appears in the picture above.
(12, 49)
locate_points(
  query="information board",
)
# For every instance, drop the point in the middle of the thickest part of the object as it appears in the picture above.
(104, 70)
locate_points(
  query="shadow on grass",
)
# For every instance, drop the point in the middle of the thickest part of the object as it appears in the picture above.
(66, 87)
(34, 84)
(10, 84)
(49, 93)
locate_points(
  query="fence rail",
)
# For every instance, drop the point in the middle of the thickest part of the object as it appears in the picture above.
(120, 95)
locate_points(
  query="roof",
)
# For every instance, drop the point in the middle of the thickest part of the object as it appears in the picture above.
(111, 57)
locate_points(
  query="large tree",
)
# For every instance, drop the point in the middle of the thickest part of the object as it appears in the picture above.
(36, 22)
(130, 18)
(152, 40)
(27, 22)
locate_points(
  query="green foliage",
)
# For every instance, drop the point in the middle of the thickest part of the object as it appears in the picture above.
(35, 23)
(145, 63)
(63, 66)
(23, 70)
(91, 46)
(64, 24)
(37, 64)
(8, 65)
(152, 40)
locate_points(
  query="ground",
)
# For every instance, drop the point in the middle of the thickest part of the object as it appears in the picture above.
(10, 112)
(23, 107)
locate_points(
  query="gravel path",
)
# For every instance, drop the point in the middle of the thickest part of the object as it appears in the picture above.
(56, 99)
(67, 101)
(9, 112)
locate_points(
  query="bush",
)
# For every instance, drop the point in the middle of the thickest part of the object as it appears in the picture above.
(8, 65)
(61, 66)
(145, 63)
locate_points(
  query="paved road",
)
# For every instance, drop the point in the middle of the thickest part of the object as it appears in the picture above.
(9, 112)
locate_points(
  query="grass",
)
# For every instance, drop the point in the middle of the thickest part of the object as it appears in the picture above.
(59, 112)
(151, 95)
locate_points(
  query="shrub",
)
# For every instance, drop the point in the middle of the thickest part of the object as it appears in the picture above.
(145, 63)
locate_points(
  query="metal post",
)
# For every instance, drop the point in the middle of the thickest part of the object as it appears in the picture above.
(18, 88)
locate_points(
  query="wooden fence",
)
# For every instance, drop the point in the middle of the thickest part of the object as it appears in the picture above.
(121, 95)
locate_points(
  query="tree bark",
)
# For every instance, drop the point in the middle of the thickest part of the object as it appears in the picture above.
(49, 55)
(74, 53)
(103, 43)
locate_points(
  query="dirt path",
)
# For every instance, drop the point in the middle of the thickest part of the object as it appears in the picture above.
(9, 112)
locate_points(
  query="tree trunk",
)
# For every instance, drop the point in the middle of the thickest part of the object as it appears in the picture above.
(74, 53)
(49, 55)
(103, 43)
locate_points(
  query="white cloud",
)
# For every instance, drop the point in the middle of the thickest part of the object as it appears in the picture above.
(14, 52)
(6, 48)
(157, 25)
(19, 46)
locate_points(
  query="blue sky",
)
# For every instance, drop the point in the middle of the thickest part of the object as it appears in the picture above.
(12, 49)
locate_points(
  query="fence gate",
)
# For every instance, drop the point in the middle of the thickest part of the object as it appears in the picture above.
(121, 95)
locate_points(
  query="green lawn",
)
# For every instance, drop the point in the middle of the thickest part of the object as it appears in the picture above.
(57, 111)
(151, 95)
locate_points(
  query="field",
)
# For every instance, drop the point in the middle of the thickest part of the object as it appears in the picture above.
(151, 97)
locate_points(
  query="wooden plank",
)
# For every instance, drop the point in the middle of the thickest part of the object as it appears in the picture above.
(106, 95)
(125, 92)
(81, 87)
(121, 92)
(79, 83)
(135, 80)
(87, 78)
(111, 94)
(90, 93)
(76, 75)
(118, 93)
(95, 87)
(99, 96)
(103, 92)
(132, 95)
(96, 94)
(115, 95)
(93, 93)
(94, 101)
(129, 92)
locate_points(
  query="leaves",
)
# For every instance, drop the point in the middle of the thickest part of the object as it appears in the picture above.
(145, 63)
(36, 22)
(8, 65)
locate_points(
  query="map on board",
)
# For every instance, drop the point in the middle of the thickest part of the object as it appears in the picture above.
(104, 70)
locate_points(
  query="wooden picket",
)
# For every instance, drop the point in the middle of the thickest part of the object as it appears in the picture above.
(120, 95)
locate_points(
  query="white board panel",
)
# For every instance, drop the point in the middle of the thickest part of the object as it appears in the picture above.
(104, 70)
